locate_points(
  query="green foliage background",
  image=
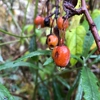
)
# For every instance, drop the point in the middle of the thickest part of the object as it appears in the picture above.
(42, 79)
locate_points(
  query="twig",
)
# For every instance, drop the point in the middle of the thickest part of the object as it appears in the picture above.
(36, 78)
(11, 34)
(19, 95)
(24, 23)
(83, 10)
(91, 24)
(5, 43)
(35, 14)
(47, 4)
(15, 22)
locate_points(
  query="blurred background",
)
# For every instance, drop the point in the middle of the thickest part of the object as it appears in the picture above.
(16, 31)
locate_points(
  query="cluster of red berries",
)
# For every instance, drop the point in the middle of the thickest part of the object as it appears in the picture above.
(60, 52)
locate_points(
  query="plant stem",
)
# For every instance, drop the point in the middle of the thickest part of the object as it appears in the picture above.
(35, 14)
(11, 34)
(36, 80)
(24, 22)
(17, 25)
(1, 44)
(15, 22)
(36, 86)
(91, 24)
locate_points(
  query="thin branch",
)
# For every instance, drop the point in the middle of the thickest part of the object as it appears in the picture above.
(19, 95)
(36, 78)
(5, 43)
(11, 34)
(15, 22)
(71, 11)
(92, 25)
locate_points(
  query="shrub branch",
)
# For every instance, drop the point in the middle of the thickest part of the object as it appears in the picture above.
(83, 10)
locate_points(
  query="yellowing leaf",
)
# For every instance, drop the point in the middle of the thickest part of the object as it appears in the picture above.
(78, 4)
(75, 21)
(74, 41)
(94, 44)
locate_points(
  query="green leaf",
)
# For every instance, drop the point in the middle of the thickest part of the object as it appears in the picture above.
(77, 58)
(4, 93)
(97, 59)
(85, 24)
(38, 32)
(89, 85)
(75, 21)
(88, 41)
(63, 81)
(68, 97)
(96, 20)
(48, 61)
(43, 40)
(57, 91)
(43, 92)
(28, 28)
(47, 70)
(35, 53)
(33, 47)
(16, 64)
(19, 62)
(96, 17)
(89, 37)
(79, 91)
(74, 40)
(95, 13)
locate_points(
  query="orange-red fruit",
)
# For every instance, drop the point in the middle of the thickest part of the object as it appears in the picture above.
(39, 21)
(52, 40)
(61, 55)
(62, 24)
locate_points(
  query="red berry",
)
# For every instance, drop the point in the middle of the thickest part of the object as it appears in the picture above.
(61, 55)
(39, 21)
(52, 40)
(62, 24)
